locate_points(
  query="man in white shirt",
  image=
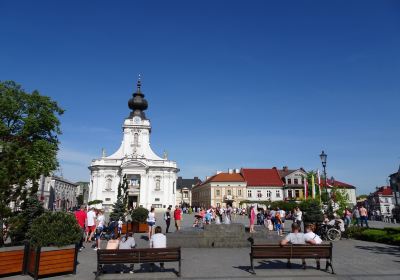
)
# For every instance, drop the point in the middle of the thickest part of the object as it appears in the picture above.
(91, 224)
(295, 237)
(158, 240)
(312, 238)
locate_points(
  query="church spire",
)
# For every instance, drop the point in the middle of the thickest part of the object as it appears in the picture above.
(137, 103)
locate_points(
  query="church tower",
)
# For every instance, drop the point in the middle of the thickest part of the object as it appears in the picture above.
(152, 179)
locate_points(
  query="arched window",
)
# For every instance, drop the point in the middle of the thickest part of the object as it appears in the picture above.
(108, 184)
(136, 139)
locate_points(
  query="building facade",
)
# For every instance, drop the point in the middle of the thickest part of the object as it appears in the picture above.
(184, 190)
(263, 184)
(293, 180)
(57, 193)
(151, 178)
(382, 200)
(220, 190)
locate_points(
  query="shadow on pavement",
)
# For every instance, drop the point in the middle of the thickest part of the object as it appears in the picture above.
(392, 250)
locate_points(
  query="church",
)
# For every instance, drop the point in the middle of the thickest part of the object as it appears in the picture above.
(151, 178)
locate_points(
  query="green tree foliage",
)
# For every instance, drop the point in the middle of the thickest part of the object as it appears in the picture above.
(312, 211)
(341, 198)
(139, 215)
(31, 208)
(54, 229)
(29, 129)
(119, 207)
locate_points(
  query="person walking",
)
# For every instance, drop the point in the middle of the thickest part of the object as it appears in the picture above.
(167, 218)
(100, 222)
(298, 216)
(364, 216)
(81, 216)
(347, 217)
(91, 224)
(151, 222)
(356, 215)
(177, 217)
(252, 216)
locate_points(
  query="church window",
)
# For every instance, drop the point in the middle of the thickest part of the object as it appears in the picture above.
(158, 183)
(136, 139)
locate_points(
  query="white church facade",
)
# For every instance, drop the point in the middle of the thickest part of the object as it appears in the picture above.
(151, 178)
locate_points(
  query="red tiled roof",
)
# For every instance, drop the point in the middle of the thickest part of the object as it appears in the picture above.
(337, 184)
(262, 177)
(385, 191)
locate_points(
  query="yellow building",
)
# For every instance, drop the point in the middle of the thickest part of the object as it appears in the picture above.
(220, 190)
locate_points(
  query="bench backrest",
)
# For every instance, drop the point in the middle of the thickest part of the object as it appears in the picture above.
(138, 255)
(291, 251)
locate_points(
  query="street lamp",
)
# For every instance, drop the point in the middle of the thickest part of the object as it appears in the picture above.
(323, 157)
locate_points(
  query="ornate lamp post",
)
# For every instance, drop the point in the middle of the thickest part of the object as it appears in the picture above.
(323, 157)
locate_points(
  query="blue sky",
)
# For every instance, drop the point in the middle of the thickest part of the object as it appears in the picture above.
(230, 84)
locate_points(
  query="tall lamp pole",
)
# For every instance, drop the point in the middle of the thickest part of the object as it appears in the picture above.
(323, 157)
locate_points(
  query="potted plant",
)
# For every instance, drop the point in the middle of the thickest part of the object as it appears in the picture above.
(13, 257)
(53, 239)
(139, 218)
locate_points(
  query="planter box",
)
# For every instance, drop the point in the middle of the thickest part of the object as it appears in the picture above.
(140, 227)
(13, 260)
(46, 261)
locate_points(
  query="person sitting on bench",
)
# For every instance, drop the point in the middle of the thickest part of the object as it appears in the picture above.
(127, 242)
(158, 240)
(295, 237)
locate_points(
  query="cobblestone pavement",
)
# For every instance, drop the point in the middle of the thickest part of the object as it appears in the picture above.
(352, 259)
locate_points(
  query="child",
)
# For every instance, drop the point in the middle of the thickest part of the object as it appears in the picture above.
(119, 226)
(278, 223)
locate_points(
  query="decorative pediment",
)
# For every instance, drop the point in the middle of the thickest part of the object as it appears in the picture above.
(134, 164)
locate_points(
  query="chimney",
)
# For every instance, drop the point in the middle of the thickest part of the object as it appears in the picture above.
(218, 172)
(285, 168)
(237, 170)
(230, 171)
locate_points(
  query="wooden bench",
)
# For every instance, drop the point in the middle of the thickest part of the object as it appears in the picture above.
(132, 256)
(272, 251)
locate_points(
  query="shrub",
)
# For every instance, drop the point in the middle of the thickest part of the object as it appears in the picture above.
(54, 229)
(311, 209)
(31, 208)
(354, 232)
(139, 215)
(94, 202)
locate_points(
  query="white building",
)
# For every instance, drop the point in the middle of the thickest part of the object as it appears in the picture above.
(382, 200)
(152, 179)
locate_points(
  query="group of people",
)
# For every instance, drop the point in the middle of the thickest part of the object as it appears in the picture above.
(177, 215)
(92, 223)
(218, 215)
(359, 214)
(273, 219)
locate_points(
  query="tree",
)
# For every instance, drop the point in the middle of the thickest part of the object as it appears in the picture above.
(29, 129)
(119, 207)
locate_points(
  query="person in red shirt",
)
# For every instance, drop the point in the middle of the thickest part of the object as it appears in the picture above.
(80, 216)
(177, 217)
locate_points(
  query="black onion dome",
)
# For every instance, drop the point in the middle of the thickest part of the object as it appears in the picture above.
(137, 103)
